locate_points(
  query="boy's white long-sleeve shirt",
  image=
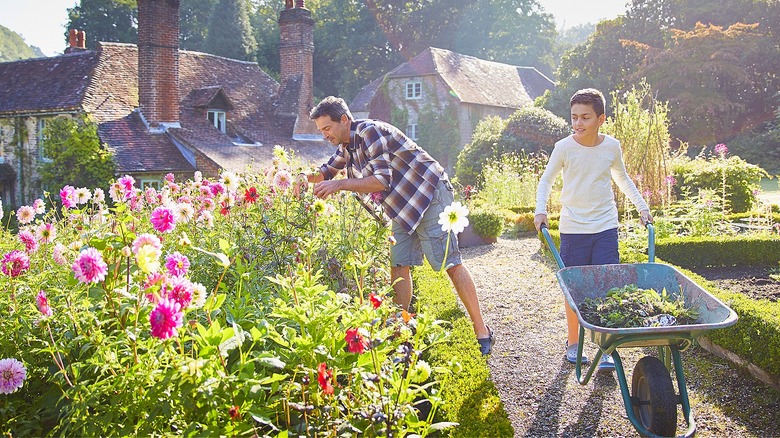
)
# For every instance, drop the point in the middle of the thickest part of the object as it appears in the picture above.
(587, 199)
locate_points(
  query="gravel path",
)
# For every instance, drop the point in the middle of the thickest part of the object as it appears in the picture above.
(523, 303)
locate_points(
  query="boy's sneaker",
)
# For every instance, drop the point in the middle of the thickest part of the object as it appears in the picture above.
(571, 354)
(486, 344)
(606, 363)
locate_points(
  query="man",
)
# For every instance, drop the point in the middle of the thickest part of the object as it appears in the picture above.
(415, 190)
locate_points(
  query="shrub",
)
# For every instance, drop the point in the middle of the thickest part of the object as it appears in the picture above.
(742, 179)
(528, 131)
(695, 252)
(487, 223)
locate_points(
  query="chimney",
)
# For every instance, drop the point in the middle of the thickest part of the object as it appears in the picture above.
(158, 63)
(296, 52)
(77, 41)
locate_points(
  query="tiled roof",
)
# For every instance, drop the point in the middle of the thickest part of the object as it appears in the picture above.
(45, 85)
(473, 80)
(202, 77)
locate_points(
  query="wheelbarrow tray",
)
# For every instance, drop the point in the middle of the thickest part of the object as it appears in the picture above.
(580, 282)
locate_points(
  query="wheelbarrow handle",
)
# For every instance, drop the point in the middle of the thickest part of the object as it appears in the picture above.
(550, 244)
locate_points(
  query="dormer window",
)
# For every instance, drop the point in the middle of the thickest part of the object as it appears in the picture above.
(217, 118)
(414, 90)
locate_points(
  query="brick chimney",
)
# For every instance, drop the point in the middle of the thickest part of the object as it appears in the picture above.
(296, 52)
(77, 41)
(158, 63)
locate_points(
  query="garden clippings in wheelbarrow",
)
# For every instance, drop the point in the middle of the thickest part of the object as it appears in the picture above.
(631, 306)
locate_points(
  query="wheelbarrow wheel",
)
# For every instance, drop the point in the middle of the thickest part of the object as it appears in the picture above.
(654, 399)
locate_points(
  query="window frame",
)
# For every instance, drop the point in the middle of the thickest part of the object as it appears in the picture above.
(411, 131)
(217, 117)
(40, 125)
(414, 90)
(143, 183)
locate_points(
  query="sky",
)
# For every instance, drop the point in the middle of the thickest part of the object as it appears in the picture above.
(42, 22)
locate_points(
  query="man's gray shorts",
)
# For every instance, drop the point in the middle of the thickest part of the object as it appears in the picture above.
(428, 238)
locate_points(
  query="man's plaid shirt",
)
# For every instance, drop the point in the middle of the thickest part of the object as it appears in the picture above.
(408, 173)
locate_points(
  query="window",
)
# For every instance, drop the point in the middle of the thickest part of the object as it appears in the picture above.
(41, 152)
(217, 118)
(153, 183)
(414, 90)
(411, 131)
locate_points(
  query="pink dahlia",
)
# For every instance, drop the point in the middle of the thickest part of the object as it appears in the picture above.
(15, 263)
(126, 184)
(43, 304)
(67, 196)
(39, 206)
(146, 239)
(180, 290)
(25, 214)
(89, 266)
(282, 179)
(163, 219)
(166, 319)
(177, 264)
(29, 240)
(12, 375)
(46, 233)
(721, 149)
(59, 254)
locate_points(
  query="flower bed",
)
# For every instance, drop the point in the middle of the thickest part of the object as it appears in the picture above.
(221, 306)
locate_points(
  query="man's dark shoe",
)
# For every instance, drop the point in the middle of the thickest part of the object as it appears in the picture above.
(486, 344)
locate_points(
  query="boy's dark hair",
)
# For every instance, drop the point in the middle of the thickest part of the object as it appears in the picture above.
(592, 97)
(333, 107)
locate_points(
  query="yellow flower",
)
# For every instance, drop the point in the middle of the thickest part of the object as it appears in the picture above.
(148, 259)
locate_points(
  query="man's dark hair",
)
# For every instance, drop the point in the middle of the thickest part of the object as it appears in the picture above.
(333, 107)
(592, 97)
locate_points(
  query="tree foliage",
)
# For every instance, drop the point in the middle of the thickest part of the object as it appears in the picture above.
(105, 20)
(716, 80)
(193, 23)
(77, 157)
(13, 47)
(229, 32)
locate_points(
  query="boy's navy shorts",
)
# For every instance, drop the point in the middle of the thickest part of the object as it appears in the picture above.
(590, 249)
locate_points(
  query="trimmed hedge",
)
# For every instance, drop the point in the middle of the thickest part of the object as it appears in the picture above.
(703, 251)
(487, 223)
(470, 398)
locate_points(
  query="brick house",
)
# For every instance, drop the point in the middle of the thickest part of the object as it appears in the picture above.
(439, 81)
(159, 109)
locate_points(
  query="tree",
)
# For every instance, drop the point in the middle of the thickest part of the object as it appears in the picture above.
(193, 20)
(13, 47)
(105, 20)
(715, 79)
(77, 157)
(229, 32)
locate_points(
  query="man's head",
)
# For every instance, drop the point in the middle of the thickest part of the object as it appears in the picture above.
(333, 119)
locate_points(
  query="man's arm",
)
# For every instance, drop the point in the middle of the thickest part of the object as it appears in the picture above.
(369, 184)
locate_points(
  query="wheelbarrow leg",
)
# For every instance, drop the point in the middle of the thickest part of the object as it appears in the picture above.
(684, 402)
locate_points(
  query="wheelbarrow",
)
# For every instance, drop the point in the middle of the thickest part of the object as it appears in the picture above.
(651, 405)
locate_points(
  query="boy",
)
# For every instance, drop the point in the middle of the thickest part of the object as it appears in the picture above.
(589, 217)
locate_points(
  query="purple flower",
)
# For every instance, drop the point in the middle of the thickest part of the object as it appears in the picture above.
(15, 263)
(163, 219)
(377, 197)
(89, 266)
(166, 319)
(12, 375)
(671, 180)
(177, 264)
(721, 149)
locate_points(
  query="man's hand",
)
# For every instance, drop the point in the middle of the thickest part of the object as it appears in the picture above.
(323, 189)
(300, 184)
(540, 219)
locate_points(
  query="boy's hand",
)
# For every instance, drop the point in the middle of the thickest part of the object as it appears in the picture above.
(540, 219)
(645, 217)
